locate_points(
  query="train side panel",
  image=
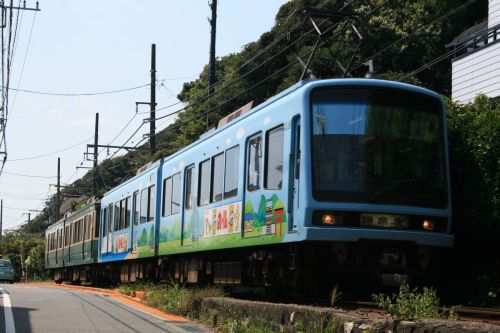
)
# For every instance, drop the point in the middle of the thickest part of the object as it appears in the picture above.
(129, 218)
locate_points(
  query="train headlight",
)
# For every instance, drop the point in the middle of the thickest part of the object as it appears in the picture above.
(428, 225)
(328, 219)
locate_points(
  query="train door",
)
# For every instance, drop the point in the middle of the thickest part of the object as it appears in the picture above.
(294, 174)
(188, 207)
(253, 184)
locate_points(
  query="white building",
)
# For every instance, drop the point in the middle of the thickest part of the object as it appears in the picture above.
(476, 63)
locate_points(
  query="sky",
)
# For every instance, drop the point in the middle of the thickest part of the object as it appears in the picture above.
(82, 47)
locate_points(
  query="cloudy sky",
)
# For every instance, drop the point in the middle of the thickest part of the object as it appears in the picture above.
(86, 47)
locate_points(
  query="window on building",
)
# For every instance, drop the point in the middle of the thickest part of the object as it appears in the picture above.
(204, 184)
(176, 193)
(217, 177)
(254, 162)
(231, 172)
(273, 172)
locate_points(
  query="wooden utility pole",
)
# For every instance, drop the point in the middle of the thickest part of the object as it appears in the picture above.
(211, 68)
(152, 102)
(96, 144)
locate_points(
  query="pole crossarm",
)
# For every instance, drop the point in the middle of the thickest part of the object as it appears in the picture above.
(117, 147)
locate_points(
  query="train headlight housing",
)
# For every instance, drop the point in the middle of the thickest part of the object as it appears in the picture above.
(428, 224)
(327, 218)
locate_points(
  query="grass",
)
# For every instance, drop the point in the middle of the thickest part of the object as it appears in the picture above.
(413, 304)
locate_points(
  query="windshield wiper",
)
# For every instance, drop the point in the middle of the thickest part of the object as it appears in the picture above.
(392, 185)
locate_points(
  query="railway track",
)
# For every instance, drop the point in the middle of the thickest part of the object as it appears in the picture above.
(485, 315)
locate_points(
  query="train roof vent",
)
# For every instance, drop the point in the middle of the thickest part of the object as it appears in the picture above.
(143, 168)
(230, 117)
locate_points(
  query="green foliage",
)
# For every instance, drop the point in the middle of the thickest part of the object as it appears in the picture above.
(27, 254)
(171, 297)
(474, 143)
(410, 304)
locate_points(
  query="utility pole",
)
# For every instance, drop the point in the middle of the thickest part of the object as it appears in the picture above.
(1, 225)
(152, 103)
(96, 144)
(58, 188)
(211, 68)
(7, 47)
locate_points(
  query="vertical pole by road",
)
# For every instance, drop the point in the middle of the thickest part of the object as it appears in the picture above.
(58, 198)
(152, 103)
(1, 224)
(213, 26)
(96, 143)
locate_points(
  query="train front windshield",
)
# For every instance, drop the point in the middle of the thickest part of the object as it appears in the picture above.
(378, 145)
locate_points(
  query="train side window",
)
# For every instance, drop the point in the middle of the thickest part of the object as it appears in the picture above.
(176, 193)
(167, 197)
(151, 203)
(273, 171)
(254, 162)
(96, 223)
(144, 206)
(105, 222)
(122, 214)
(127, 212)
(135, 202)
(110, 220)
(117, 216)
(85, 222)
(189, 189)
(231, 172)
(217, 177)
(297, 156)
(204, 184)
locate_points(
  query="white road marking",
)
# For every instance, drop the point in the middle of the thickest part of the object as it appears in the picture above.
(7, 309)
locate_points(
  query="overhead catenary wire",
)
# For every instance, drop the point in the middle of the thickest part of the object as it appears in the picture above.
(80, 93)
(417, 30)
(30, 176)
(51, 153)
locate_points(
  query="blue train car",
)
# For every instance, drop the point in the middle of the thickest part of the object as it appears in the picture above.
(330, 176)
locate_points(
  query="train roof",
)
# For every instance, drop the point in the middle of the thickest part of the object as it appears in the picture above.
(310, 84)
(149, 168)
(305, 84)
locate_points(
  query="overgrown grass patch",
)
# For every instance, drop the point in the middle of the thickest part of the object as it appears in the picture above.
(413, 304)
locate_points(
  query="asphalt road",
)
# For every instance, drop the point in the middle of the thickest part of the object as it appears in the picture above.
(40, 309)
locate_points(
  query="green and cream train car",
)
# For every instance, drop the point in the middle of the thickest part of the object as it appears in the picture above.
(72, 244)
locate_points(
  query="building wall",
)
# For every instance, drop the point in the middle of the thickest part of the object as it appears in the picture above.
(493, 13)
(477, 73)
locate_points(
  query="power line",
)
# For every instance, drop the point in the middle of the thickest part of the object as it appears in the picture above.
(78, 94)
(49, 154)
(30, 176)
(451, 12)
(24, 61)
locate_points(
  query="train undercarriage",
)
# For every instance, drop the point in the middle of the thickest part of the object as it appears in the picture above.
(311, 268)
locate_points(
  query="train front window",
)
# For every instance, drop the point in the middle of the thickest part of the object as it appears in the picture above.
(377, 145)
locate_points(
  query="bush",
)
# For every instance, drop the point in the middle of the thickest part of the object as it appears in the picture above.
(410, 304)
